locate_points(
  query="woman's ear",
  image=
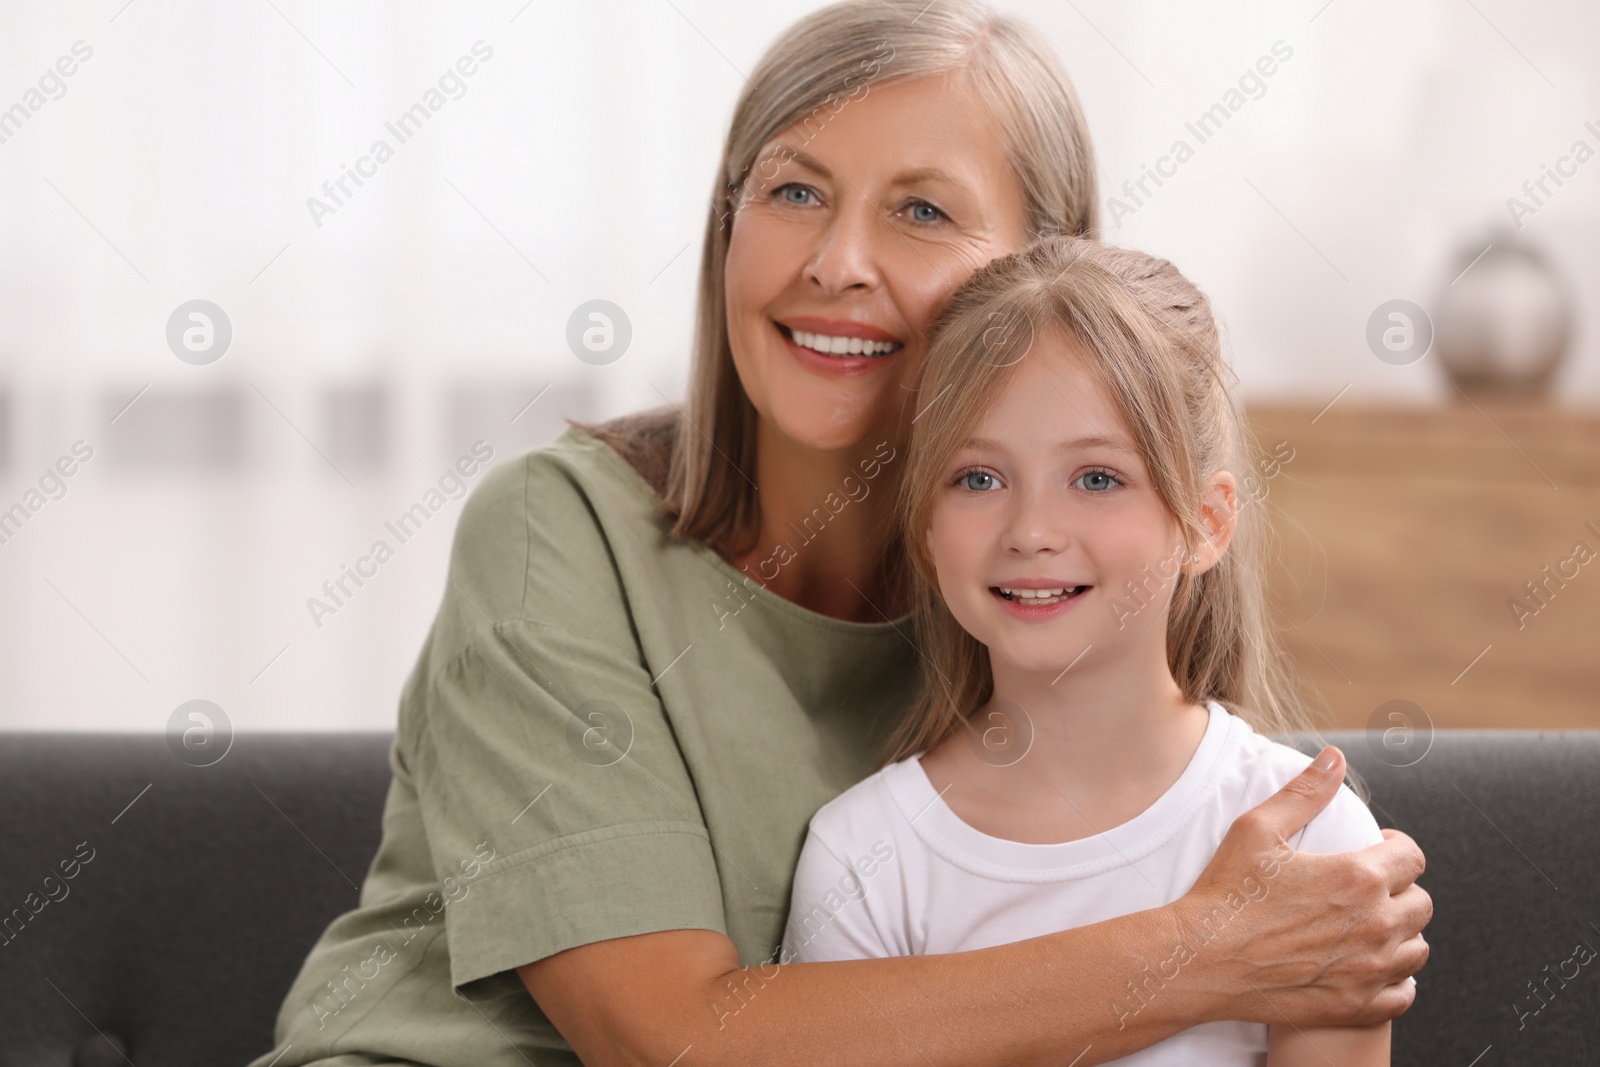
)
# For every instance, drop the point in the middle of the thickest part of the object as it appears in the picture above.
(1219, 511)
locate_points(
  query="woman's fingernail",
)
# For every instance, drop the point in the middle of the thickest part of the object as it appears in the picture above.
(1327, 759)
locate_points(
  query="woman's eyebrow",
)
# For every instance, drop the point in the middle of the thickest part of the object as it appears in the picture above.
(786, 154)
(906, 177)
(927, 174)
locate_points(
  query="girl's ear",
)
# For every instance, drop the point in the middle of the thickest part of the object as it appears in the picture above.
(1219, 510)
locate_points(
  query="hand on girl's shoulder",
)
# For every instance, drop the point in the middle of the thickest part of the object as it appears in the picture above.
(1345, 825)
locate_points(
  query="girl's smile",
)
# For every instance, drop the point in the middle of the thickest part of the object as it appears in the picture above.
(1047, 518)
(1039, 598)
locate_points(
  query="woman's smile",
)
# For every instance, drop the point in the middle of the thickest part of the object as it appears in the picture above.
(846, 240)
(838, 347)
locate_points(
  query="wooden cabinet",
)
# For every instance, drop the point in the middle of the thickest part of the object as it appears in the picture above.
(1408, 535)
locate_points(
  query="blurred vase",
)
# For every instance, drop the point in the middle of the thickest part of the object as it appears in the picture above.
(1501, 329)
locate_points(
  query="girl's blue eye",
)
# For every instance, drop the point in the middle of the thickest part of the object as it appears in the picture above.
(978, 481)
(920, 206)
(1098, 481)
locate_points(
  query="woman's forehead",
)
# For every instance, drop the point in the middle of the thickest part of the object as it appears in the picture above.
(929, 128)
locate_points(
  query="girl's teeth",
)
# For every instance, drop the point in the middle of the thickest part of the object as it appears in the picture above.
(840, 346)
(1039, 596)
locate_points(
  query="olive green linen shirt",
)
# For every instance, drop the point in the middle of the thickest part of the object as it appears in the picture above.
(608, 732)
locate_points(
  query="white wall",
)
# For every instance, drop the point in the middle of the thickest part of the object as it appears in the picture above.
(370, 351)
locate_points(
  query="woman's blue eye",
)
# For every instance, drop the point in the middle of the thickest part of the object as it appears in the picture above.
(976, 480)
(920, 206)
(1099, 481)
(789, 192)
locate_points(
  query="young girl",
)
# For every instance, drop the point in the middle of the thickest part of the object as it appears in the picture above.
(1096, 648)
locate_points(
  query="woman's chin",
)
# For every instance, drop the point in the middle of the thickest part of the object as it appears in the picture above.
(810, 429)
(796, 411)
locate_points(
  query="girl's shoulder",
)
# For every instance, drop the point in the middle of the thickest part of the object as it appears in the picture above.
(872, 807)
(1266, 756)
(1263, 765)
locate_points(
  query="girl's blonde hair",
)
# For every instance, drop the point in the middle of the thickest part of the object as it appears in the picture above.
(819, 66)
(1150, 339)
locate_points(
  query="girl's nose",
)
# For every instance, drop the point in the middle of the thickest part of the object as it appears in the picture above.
(1035, 526)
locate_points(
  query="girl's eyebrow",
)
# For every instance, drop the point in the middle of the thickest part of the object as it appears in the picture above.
(1111, 443)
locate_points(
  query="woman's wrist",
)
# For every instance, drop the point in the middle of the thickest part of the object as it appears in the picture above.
(1174, 981)
(1152, 982)
(1207, 988)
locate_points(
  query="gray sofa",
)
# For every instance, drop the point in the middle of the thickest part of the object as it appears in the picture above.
(167, 908)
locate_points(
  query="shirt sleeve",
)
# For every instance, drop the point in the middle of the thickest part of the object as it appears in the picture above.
(556, 803)
(829, 916)
(1345, 825)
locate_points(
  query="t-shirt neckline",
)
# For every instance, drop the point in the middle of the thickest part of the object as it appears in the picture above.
(946, 834)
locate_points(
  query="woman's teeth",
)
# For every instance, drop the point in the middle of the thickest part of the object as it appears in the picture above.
(1041, 597)
(842, 346)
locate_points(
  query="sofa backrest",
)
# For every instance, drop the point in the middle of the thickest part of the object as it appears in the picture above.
(195, 893)
(204, 890)
(1510, 823)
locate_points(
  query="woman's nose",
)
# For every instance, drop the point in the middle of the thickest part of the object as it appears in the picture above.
(846, 255)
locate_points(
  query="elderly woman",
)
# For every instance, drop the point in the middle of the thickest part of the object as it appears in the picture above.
(668, 639)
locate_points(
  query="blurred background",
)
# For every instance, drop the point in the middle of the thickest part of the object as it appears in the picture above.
(248, 372)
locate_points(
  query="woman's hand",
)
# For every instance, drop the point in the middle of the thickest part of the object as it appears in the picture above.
(1332, 940)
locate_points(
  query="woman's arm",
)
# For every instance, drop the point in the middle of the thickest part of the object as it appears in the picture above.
(1330, 945)
(1351, 1046)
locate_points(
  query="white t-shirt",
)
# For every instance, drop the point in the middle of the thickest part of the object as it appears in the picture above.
(889, 870)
